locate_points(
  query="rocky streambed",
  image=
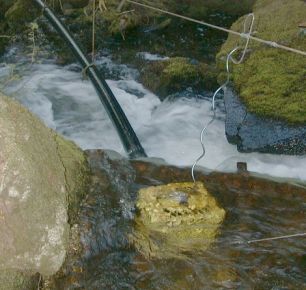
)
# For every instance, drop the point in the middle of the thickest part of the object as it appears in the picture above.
(83, 220)
(254, 208)
(92, 230)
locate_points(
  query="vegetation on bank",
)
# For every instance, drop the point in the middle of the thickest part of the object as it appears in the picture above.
(272, 82)
(133, 29)
(198, 9)
(16, 14)
(176, 74)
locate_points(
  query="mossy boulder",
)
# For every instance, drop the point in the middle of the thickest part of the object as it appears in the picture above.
(4, 39)
(119, 18)
(176, 74)
(19, 14)
(14, 17)
(193, 8)
(272, 82)
(203, 7)
(119, 21)
(5, 5)
(74, 4)
(176, 218)
(43, 180)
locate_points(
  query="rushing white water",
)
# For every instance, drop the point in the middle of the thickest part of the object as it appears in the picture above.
(151, 57)
(169, 130)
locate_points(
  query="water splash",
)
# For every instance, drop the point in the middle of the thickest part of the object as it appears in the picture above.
(168, 129)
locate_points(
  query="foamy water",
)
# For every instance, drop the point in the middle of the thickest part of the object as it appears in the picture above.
(169, 130)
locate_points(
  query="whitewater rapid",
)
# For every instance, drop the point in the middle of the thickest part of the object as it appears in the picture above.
(168, 130)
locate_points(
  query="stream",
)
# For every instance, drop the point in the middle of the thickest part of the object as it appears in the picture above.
(169, 130)
(255, 208)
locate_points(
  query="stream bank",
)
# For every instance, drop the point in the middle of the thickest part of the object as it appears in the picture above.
(100, 254)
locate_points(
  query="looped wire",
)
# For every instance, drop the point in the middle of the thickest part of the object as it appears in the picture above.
(273, 44)
(247, 31)
(44, 7)
(85, 69)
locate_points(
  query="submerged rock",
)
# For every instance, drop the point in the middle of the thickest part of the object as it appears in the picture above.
(176, 218)
(252, 133)
(42, 180)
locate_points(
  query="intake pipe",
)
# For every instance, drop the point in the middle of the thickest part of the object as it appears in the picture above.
(124, 129)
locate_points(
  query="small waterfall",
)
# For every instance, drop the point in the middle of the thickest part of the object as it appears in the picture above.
(168, 130)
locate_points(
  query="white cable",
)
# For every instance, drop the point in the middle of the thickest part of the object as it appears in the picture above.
(222, 87)
(246, 31)
(271, 239)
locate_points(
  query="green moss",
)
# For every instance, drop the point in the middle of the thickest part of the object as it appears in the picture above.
(5, 5)
(197, 10)
(166, 77)
(208, 76)
(193, 8)
(179, 71)
(22, 12)
(201, 9)
(272, 82)
(76, 174)
(176, 74)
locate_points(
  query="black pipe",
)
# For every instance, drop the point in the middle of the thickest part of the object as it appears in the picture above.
(125, 131)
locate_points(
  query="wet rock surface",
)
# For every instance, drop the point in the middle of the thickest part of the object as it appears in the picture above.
(175, 218)
(252, 133)
(14, 280)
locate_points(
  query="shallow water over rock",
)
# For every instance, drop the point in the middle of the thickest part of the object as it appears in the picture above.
(256, 208)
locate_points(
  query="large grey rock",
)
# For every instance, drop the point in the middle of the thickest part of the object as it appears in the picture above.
(252, 133)
(15, 280)
(42, 179)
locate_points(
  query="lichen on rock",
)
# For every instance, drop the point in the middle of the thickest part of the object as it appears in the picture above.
(174, 219)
